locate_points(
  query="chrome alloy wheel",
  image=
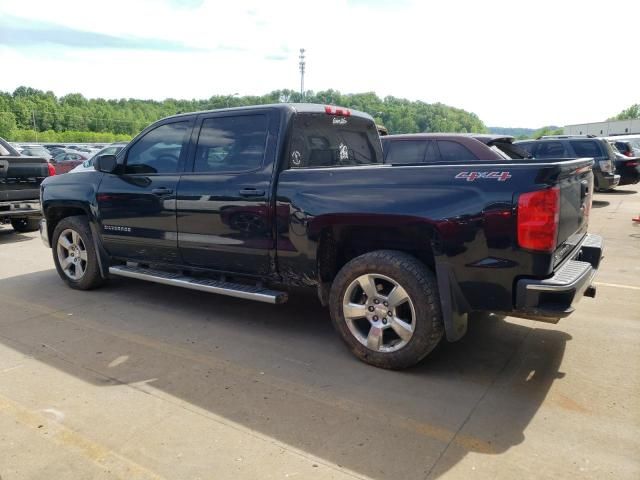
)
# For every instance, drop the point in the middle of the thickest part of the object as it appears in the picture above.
(72, 254)
(379, 313)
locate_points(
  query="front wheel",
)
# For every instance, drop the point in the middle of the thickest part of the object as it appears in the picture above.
(74, 254)
(386, 308)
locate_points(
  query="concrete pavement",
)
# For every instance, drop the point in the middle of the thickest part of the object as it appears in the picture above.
(138, 380)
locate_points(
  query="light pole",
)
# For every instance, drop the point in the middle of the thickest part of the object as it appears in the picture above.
(302, 66)
(229, 97)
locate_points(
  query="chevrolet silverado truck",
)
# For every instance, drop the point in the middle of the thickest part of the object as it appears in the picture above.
(251, 201)
(20, 179)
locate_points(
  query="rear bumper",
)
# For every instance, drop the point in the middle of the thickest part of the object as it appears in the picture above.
(20, 209)
(553, 298)
(629, 175)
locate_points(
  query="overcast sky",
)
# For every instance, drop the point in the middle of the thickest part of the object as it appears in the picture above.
(514, 63)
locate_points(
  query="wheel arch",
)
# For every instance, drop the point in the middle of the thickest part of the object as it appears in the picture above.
(56, 212)
(338, 244)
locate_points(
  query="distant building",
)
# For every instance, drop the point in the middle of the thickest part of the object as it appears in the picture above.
(604, 129)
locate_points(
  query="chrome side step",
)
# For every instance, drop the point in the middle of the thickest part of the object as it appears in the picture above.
(238, 290)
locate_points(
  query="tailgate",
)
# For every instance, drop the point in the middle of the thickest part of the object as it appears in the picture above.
(20, 177)
(576, 192)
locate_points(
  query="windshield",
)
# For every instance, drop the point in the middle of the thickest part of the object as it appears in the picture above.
(322, 140)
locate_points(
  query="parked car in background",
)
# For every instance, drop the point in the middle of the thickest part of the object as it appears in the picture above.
(445, 147)
(67, 160)
(56, 150)
(35, 151)
(20, 179)
(16, 147)
(578, 146)
(87, 165)
(628, 168)
(629, 147)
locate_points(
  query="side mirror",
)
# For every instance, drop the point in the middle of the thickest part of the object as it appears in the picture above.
(105, 163)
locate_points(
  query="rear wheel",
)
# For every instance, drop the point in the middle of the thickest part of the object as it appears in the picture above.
(25, 224)
(74, 254)
(386, 308)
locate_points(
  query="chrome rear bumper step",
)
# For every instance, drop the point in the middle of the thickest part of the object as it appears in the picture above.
(238, 290)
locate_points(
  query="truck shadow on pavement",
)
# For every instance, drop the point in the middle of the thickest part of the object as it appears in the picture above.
(282, 372)
(9, 235)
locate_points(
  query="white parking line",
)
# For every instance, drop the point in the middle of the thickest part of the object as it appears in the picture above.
(617, 285)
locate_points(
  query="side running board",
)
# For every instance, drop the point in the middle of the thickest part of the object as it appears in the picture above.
(238, 290)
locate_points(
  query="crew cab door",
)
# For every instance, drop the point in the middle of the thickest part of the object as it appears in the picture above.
(223, 204)
(137, 203)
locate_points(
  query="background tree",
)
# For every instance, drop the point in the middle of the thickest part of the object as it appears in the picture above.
(631, 113)
(73, 117)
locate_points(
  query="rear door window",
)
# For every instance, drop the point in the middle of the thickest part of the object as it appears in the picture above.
(321, 140)
(451, 151)
(231, 144)
(406, 151)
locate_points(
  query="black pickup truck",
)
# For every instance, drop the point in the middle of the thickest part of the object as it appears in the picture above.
(250, 201)
(20, 179)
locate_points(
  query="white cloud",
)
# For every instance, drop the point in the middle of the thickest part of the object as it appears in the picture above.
(512, 63)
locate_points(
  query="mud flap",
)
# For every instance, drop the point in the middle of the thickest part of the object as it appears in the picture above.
(103, 257)
(455, 310)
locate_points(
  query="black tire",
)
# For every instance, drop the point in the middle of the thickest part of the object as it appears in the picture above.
(91, 277)
(421, 287)
(24, 225)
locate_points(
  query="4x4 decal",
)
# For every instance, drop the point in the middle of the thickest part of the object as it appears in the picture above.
(473, 176)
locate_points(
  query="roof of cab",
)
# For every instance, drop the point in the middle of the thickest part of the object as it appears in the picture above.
(291, 107)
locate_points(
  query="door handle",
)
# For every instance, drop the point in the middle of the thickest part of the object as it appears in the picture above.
(161, 191)
(251, 192)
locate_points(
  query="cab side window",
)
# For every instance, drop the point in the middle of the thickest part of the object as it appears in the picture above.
(231, 144)
(158, 151)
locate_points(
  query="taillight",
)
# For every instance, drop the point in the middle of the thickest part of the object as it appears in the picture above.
(632, 163)
(538, 216)
(606, 166)
(52, 169)
(340, 112)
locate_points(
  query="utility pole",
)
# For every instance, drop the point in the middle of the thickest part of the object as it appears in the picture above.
(35, 129)
(302, 66)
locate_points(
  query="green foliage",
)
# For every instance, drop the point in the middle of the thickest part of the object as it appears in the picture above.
(549, 130)
(515, 132)
(68, 136)
(7, 124)
(631, 113)
(124, 118)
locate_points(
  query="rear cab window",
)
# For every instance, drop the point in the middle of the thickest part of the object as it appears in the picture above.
(322, 140)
